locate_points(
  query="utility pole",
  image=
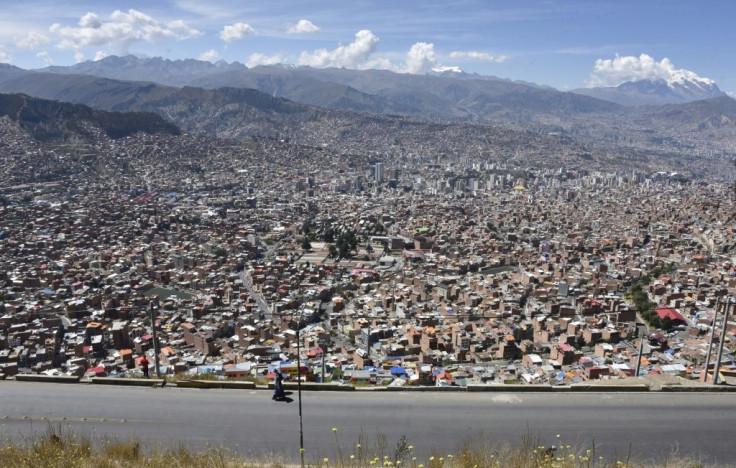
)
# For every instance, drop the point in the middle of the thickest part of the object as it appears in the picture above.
(151, 315)
(712, 336)
(723, 339)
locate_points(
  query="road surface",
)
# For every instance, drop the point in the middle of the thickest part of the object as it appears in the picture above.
(248, 421)
(260, 302)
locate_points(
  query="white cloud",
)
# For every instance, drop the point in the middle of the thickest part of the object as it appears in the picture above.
(209, 56)
(44, 55)
(357, 54)
(79, 57)
(121, 30)
(33, 40)
(90, 20)
(421, 58)
(99, 55)
(303, 27)
(613, 72)
(262, 59)
(478, 56)
(183, 31)
(5, 56)
(236, 31)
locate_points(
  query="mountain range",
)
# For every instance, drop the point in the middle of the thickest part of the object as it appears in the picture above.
(283, 81)
(358, 108)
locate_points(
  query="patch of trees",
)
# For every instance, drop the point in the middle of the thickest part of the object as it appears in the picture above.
(638, 295)
(345, 243)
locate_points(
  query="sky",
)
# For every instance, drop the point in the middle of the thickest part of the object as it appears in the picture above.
(566, 44)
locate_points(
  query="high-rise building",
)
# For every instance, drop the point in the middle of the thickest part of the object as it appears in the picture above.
(378, 172)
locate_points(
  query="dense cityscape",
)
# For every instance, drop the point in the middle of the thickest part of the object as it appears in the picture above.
(423, 270)
(359, 234)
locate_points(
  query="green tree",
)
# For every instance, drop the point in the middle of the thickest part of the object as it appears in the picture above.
(580, 341)
(329, 235)
(343, 248)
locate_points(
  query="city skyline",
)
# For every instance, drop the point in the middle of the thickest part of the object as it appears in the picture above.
(562, 44)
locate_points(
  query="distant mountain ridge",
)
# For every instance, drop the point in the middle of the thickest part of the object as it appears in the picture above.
(444, 95)
(374, 110)
(441, 96)
(155, 69)
(679, 89)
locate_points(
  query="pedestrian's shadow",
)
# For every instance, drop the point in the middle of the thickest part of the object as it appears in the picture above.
(285, 399)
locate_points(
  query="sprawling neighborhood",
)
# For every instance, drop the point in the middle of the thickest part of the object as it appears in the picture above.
(425, 270)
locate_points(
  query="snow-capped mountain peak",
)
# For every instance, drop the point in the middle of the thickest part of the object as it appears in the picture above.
(690, 79)
(447, 69)
(681, 87)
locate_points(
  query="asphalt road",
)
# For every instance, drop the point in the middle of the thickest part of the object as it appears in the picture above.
(262, 305)
(248, 421)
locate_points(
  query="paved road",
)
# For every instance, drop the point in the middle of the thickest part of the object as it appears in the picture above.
(250, 421)
(260, 302)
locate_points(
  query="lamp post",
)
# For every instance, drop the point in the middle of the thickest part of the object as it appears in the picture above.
(299, 383)
(324, 342)
(155, 339)
(712, 336)
(638, 358)
(717, 369)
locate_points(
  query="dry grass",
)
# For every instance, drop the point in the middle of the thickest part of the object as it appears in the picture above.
(58, 448)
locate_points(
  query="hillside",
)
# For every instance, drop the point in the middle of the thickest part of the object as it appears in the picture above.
(49, 120)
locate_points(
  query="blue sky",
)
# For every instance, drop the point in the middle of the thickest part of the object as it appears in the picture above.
(561, 43)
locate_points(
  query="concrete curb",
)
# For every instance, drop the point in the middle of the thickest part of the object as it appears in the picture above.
(425, 389)
(704, 389)
(335, 387)
(127, 382)
(370, 389)
(561, 389)
(313, 386)
(47, 378)
(236, 385)
(510, 388)
(610, 388)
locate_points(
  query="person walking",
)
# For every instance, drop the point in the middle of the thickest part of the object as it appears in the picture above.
(278, 389)
(144, 366)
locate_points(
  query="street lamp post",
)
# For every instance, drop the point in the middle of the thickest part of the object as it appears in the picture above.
(324, 342)
(299, 383)
(717, 369)
(712, 336)
(155, 340)
(638, 358)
